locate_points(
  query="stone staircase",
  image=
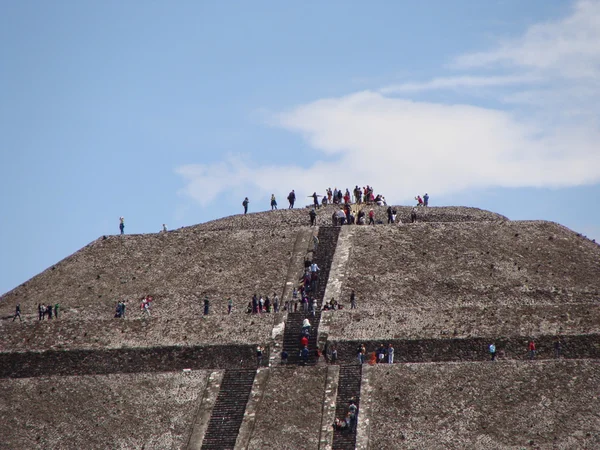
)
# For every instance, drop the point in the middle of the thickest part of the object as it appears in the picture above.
(348, 388)
(291, 337)
(323, 256)
(228, 412)
(328, 237)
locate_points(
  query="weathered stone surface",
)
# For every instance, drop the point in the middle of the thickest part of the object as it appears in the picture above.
(150, 411)
(501, 405)
(463, 322)
(289, 415)
(117, 333)
(177, 268)
(440, 265)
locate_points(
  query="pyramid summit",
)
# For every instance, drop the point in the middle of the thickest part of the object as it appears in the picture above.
(437, 291)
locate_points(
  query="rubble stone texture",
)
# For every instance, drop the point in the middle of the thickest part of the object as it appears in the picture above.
(469, 279)
(150, 411)
(491, 405)
(289, 415)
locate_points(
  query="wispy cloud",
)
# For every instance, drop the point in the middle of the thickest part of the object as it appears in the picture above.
(459, 82)
(568, 47)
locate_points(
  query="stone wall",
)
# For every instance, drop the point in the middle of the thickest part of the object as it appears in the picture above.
(158, 359)
(473, 349)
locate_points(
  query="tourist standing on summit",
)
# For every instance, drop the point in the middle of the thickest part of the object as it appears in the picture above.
(352, 300)
(122, 224)
(291, 199)
(273, 202)
(426, 199)
(245, 205)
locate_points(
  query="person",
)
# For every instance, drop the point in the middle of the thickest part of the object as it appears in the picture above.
(334, 355)
(531, 350)
(164, 228)
(426, 199)
(146, 307)
(304, 353)
(371, 217)
(381, 353)
(315, 200)
(122, 310)
(303, 341)
(341, 217)
(315, 242)
(557, 348)
(57, 305)
(352, 300)
(419, 200)
(306, 325)
(291, 199)
(346, 197)
(18, 313)
(413, 215)
(284, 357)
(493, 351)
(313, 217)
(390, 354)
(275, 302)
(245, 205)
(122, 224)
(340, 424)
(314, 307)
(352, 412)
(362, 354)
(41, 311)
(49, 311)
(259, 355)
(273, 202)
(206, 305)
(229, 305)
(389, 215)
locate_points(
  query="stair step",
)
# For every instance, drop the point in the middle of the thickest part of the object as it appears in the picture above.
(228, 412)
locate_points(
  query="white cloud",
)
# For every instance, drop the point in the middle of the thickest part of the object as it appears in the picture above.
(459, 82)
(568, 47)
(547, 139)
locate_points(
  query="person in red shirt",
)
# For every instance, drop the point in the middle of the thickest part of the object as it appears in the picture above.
(371, 217)
(531, 350)
(304, 342)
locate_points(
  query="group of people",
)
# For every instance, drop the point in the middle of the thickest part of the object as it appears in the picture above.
(348, 423)
(122, 226)
(332, 197)
(46, 310)
(259, 304)
(531, 349)
(381, 355)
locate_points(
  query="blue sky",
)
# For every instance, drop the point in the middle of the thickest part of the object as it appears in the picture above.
(174, 112)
